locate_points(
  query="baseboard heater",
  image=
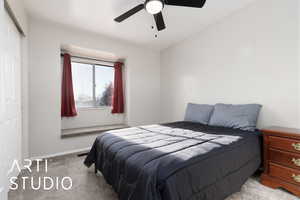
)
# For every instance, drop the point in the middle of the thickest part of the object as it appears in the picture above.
(82, 154)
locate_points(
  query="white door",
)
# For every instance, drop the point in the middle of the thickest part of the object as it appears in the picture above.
(10, 98)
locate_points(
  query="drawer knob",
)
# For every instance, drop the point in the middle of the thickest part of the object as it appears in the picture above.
(296, 146)
(296, 178)
(296, 162)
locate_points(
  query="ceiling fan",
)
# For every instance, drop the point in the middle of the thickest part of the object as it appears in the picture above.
(154, 7)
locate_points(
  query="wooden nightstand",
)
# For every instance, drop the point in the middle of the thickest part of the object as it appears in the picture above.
(282, 159)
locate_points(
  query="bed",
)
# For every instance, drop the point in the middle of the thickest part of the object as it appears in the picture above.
(176, 161)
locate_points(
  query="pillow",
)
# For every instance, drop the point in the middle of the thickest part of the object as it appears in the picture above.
(242, 117)
(198, 113)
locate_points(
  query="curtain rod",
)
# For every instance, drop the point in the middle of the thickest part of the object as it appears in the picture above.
(62, 54)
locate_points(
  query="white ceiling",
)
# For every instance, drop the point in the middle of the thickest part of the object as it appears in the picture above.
(97, 16)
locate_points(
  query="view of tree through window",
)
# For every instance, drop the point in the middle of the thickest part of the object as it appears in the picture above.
(92, 84)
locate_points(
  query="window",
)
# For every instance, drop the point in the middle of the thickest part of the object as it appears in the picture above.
(92, 84)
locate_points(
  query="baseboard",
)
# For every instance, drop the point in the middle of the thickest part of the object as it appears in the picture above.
(60, 154)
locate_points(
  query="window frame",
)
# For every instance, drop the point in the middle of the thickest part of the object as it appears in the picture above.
(93, 64)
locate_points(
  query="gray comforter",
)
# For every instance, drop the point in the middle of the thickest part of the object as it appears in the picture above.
(176, 161)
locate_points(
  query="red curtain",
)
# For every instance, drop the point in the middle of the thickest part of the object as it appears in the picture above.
(68, 108)
(118, 96)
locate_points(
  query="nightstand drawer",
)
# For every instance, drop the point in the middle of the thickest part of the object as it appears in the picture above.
(285, 173)
(281, 158)
(284, 144)
(285, 158)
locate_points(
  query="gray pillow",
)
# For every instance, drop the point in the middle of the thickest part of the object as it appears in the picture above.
(242, 117)
(198, 113)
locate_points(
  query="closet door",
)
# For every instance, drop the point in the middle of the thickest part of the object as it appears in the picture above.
(10, 99)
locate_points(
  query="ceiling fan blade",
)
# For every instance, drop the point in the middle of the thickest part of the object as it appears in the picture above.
(187, 3)
(129, 13)
(159, 20)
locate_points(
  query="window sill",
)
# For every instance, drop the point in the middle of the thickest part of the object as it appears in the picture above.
(94, 108)
(67, 133)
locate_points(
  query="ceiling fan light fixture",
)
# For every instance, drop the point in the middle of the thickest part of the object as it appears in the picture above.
(154, 6)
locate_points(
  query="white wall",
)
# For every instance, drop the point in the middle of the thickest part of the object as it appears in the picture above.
(142, 74)
(250, 56)
(89, 117)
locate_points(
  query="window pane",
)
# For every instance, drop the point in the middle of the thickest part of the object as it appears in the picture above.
(104, 85)
(83, 84)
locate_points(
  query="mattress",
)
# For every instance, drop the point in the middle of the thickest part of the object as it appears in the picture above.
(176, 161)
